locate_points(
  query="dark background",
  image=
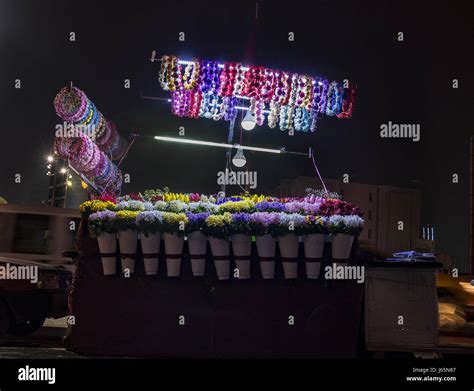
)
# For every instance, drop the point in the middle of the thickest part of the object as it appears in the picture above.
(402, 82)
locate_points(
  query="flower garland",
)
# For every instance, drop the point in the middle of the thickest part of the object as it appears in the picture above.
(273, 115)
(87, 158)
(239, 80)
(227, 79)
(73, 106)
(210, 77)
(256, 108)
(348, 103)
(191, 75)
(295, 101)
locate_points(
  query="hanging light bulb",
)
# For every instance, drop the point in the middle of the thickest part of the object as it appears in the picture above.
(239, 158)
(248, 123)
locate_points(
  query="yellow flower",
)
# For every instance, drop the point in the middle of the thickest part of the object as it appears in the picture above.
(237, 206)
(127, 214)
(219, 220)
(174, 218)
(95, 206)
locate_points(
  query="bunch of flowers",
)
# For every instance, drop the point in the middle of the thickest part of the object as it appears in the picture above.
(133, 205)
(331, 207)
(315, 225)
(218, 226)
(103, 221)
(265, 223)
(149, 222)
(241, 224)
(302, 207)
(89, 207)
(291, 223)
(202, 206)
(174, 223)
(126, 219)
(349, 224)
(237, 206)
(176, 206)
(160, 205)
(196, 221)
(270, 206)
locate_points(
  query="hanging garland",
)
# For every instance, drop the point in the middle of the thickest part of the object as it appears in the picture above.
(74, 107)
(198, 88)
(85, 156)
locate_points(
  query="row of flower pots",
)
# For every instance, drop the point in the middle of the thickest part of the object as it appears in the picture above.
(220, 248)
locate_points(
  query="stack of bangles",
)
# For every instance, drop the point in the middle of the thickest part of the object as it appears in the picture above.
(73, 106)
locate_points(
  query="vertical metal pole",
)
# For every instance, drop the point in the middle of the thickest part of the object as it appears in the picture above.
(228, 153)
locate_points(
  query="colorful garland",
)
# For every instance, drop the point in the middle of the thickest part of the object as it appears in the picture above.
(295, 101)
(73, 106)
(86, 157)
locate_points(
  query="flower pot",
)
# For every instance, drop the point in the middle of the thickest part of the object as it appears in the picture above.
(108, 250)
(266, 248)
(242, 248)
(151, 252)
(197, 243)
(221, 252)
(289, 254)
(128, 241)
(314, 246)
(341, 246)
(313, 251)
(174, 251)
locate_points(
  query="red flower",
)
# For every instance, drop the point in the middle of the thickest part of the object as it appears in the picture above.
(135, 196)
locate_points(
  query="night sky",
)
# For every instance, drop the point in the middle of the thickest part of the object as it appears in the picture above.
(402, 82)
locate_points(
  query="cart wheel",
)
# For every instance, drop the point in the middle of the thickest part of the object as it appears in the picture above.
(27, 327)
(5, 319)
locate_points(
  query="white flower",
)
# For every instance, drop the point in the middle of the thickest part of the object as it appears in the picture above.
(353, 221)
(177, 206)
(202, 206)
(295, 218)
(160, 205)
(130, 205)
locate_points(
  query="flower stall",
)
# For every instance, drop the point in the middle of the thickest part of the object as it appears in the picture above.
(226, 266)
(227, 223)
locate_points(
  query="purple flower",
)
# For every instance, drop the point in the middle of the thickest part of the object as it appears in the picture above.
(197, 217)
(240, 217)
(273, 206)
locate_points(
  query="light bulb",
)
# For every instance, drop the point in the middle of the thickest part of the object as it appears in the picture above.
(49, 158)
(63, 170)
(239, 158)
(248, 123)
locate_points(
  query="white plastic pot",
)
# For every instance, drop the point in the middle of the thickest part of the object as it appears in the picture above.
(266, 249)
(174, 251)
(108, 245)
(242, 248)
(128, 241)
(313, 245)
(150, 251)
(341, 246)
(197, 243)
(221, 248)
(289, 253)
(313, 251)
